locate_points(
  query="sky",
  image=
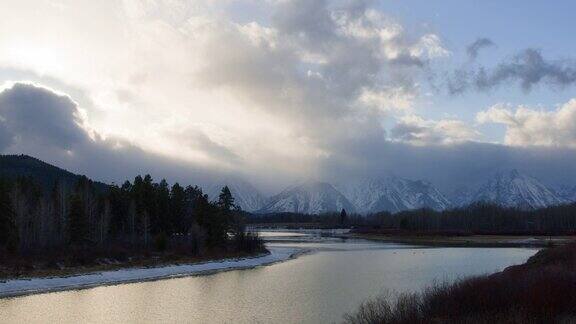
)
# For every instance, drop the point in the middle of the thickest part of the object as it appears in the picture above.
(281, 91)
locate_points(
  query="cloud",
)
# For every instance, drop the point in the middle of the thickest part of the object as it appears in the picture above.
(465, 164)
(532, 127)
(415, 130)
(474, 48)
(319, 68)
(290, 89)
(40, 122)
(6, 137)
(528, 67)
(40, 115)
(364, 151)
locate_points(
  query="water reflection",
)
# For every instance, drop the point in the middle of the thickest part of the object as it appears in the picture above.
(316, 287)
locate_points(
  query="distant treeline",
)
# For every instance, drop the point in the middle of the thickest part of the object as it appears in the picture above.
(483, 218)
(142, 215)
(478, 218)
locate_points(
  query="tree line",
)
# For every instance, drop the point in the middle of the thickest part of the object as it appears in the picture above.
(480, 217)
(141, 215)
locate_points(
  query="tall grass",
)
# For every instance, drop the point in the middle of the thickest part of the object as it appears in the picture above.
(541, 291)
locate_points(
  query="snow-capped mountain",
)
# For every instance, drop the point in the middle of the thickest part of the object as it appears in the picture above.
(462, 196)
(394, 194)
(567, 193)
(514, 189)
(309, 198)
(245, 194)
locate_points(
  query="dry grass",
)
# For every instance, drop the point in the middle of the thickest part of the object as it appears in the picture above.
(541, 291)
(85, 260)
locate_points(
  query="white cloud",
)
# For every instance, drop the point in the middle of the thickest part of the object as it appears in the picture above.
(309, 85)
(392, 99)
(532, 127)
(416, 130)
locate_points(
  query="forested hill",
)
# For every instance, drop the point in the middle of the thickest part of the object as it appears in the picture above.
(14, 166)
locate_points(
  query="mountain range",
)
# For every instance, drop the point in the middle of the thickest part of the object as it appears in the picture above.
(510, 189)
(393, 194)
(308, 198)
(514, 189)
(246, 196)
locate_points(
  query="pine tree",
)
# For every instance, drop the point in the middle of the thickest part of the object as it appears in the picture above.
(343, 216)
(78, 231)
(160, 214)
(226, 200)
(177, 208)
(8, 229)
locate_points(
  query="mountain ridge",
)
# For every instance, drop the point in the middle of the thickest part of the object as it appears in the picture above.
(13, 166)
(394, 194)
(246, 196)
(308, 198)
(510, 188)
(515, 189)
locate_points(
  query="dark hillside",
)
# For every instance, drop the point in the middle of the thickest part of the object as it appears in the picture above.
(14, 166)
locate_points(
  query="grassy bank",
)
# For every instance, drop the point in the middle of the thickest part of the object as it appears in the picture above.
(539, 291)
(84, 260)
(461, 239)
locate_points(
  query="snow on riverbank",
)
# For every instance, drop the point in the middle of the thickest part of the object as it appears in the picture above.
(19, 287)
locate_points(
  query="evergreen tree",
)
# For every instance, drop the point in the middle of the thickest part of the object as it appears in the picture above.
(177, 208)
(343, 216)
(8, 229)
(160, 211)
(78, 231)
(225, 199)
(142, 212)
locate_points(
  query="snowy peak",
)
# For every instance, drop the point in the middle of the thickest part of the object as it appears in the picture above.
(514, 189)
(394, 194)
(309, 198)
(567, 193)
(245, 194)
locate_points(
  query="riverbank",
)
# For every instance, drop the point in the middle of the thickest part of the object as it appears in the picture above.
(538, 291)
(26, 286)
(466, 240)
(83, 261)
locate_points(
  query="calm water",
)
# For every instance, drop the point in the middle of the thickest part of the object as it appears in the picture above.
(319, 287)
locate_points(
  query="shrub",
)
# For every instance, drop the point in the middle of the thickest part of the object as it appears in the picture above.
(540, 291)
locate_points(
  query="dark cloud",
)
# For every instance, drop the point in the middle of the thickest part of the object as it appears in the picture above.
(528, 67)
(474, 48)
(39, 122)
(406, 59)
(448, 166)
(6, 136)
(42, 116)
(313, 69)
(201, 142)
(406, 131)
(364, 152)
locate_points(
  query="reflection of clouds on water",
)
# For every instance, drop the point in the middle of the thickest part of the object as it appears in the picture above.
(302, 235)
(317, 287)
(324, 240)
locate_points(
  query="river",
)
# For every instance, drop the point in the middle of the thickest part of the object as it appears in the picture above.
(333, 278)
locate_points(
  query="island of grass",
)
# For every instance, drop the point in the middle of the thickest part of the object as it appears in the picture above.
(458, 239)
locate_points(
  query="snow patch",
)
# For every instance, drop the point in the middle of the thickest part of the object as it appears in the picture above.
(17, 287)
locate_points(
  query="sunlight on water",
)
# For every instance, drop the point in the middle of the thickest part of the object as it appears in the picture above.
(318, 287)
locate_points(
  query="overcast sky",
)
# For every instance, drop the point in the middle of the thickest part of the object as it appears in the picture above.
(278, 91)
